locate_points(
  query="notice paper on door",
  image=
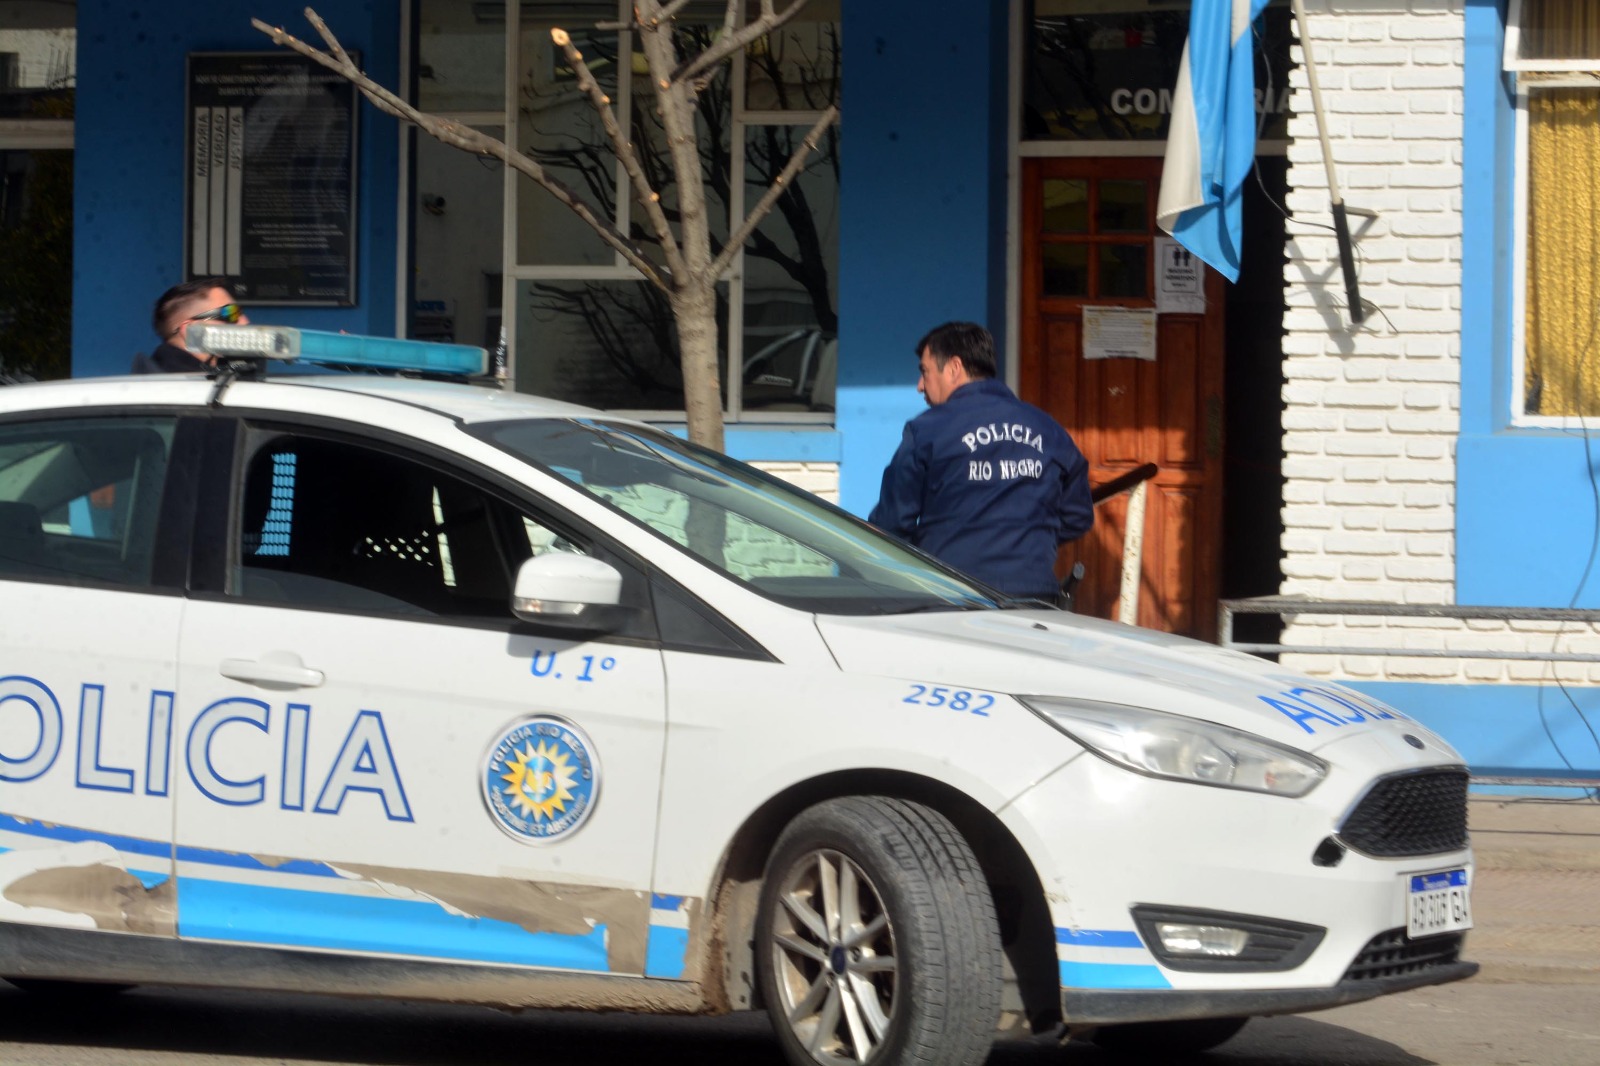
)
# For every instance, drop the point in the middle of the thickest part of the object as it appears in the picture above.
(1179, 277)
(1119, 333)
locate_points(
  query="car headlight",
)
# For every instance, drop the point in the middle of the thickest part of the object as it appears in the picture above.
(1182, 749)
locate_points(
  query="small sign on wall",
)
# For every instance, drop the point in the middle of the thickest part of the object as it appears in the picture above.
(1119, 333)
(271, 150)
(1180, 279)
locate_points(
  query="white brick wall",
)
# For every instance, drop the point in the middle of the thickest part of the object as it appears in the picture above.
(1373, 412)
(821, 479)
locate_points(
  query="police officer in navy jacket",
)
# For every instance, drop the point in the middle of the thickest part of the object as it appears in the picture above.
(199, 300)
(982, 481)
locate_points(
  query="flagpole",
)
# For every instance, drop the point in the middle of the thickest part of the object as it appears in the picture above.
(1341, 222)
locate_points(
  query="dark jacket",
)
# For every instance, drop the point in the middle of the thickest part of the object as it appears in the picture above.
(167, 359)
(990, 485)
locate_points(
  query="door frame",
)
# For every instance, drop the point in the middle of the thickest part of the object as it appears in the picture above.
(1190, 452)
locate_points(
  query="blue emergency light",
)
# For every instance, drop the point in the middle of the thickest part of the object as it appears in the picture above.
(285, 344)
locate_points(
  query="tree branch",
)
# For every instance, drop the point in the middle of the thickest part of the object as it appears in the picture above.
(730, 17)
(463, 137)
(732, 42)
(665, 13)
(647, 197)
(778, 187)
(670, 10)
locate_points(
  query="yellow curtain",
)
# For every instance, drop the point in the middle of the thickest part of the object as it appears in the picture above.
(1560, 29)
(1562, 321)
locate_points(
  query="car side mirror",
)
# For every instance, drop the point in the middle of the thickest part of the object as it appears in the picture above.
(567, 590)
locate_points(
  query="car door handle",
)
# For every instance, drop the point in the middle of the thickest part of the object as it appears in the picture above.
(273, 668)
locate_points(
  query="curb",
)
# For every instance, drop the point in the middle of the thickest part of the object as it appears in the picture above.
(1505, 970)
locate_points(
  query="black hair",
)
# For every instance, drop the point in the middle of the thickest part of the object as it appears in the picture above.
(968, 341)
(174, 296)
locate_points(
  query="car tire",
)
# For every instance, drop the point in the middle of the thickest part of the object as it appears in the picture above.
(1167, 1038)
(876, 938)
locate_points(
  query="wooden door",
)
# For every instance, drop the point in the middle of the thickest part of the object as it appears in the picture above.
(1089, 239)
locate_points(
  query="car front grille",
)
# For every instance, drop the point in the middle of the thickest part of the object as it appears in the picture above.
(1421, 813)
(1392, 954)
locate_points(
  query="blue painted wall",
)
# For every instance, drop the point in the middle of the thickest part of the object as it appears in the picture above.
(1537, 730)
(1527, 507)
(922, 207)
(128, 186)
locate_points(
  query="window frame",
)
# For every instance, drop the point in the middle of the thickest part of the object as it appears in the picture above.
(214, 465)
(171, 525)
(37, 134)
(254, 427)
(43, 134)
(1512, 61)
(1528, 80)
(259, 433)
(742, 121)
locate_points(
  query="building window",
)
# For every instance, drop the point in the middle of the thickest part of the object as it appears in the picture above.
(38, 79)
(80, 499)
(579, 323)
(1553, 48)
(1561, 375)
(1545, 36)
(1104, 72)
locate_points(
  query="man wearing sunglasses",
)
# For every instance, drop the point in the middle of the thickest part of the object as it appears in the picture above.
(201, 300)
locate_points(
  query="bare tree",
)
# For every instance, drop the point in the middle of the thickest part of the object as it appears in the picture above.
(688, 276)
(634, 332)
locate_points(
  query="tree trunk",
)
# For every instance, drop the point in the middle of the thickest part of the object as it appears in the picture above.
(694, 290)
(694, 307)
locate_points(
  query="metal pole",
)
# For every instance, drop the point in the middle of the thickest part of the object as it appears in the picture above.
(1341, 224)
(1132, 555)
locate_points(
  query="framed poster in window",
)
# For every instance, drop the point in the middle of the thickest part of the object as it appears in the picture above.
(271, 175)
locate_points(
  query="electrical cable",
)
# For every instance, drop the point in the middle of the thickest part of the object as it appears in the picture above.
(1580, 367)
(1261, 123)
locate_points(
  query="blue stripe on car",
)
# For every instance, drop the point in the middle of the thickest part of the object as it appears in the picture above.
(1111, 975)
(1098, 938)
(258, 914)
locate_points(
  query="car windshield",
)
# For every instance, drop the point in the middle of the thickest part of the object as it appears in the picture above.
(784, 543)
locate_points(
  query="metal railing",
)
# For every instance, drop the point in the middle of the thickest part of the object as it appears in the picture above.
(1288, 606)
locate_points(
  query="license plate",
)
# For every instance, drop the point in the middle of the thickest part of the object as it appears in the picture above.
(1437, 903)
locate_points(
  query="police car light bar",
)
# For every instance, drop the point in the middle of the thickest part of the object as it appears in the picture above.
(354, 349)
(341, 349)
(243, 342)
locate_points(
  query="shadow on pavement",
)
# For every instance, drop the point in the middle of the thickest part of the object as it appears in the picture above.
(289, 1030)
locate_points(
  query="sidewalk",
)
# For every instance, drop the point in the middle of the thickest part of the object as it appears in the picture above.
(1536, 895)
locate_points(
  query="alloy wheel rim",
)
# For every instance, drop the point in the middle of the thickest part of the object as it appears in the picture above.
(833, 953)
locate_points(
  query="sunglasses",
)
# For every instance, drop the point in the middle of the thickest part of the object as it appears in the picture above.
(228, 313)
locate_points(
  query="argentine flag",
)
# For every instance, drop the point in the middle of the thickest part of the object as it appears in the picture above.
(1211, 141)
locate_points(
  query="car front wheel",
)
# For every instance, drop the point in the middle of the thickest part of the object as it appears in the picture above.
(876, 938)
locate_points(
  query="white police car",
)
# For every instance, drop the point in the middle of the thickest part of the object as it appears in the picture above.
(393, 687)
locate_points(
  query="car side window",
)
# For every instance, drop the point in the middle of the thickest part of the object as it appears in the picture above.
(334, 525)
(80, 498)
(732, 542)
